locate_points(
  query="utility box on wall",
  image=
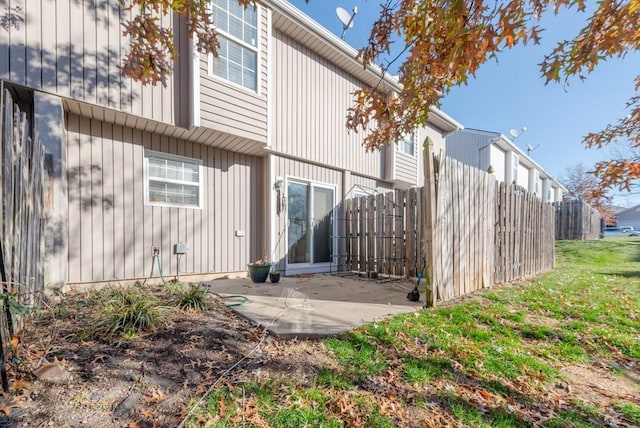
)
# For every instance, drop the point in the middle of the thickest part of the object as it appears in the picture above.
(180, 248)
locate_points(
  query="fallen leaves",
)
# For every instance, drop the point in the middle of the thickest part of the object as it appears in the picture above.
(7, 407)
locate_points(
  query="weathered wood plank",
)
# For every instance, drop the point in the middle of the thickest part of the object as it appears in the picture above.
(399, 232)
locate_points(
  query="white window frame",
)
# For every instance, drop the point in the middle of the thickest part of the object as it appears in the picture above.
(242, 43)
(177, 158)
(402, 144)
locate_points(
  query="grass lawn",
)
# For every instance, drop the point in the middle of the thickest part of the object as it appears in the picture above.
(559, 350)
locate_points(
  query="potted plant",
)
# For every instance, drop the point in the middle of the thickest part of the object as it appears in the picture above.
(274, 275)
(259, 270)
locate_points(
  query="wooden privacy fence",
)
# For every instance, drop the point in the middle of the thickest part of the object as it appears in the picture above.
(471, 231)
(21, 218)
(481, 232)
(577, 220)
(383, 234)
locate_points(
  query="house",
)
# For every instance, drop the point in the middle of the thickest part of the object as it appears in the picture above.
(240, 157)
(629, 217)
(492, 151)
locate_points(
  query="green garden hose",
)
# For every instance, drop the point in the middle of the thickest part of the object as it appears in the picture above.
(233, 296)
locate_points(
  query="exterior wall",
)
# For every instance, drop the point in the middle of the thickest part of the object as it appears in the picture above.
(310, 100)
(406, 167)
(463, 146)
(356, 183)
(112, 231)
(629, 217)
(230, 108)
(497, 161)
(439, 146)
(523, 177)
(74, 48)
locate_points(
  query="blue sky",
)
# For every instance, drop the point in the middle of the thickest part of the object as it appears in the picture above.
(511, 94)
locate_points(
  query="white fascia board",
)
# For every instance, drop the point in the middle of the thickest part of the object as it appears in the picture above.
(448, 121)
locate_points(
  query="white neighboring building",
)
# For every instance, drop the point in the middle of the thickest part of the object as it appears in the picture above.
(484, 149)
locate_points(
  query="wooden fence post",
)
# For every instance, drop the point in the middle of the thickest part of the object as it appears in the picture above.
(430, 222)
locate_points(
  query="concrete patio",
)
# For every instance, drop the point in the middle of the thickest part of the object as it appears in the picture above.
(318, 305)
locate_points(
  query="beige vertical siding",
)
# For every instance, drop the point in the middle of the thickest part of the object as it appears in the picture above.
(74, 48)
(361, 184)
(311, 97)
(230, 108)
(112, 231)
(406, 167)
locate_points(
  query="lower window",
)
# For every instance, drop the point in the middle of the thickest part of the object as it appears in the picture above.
(172, 180)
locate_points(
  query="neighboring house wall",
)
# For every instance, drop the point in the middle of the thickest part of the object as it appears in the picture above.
(483, 148)
(75, 49)
(464, 147)
(112, 230)
(438, 140)
(523, 177)
(629, 217)
(497, 162)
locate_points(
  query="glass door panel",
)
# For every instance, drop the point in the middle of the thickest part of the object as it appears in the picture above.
(299, 240)
(322, 208)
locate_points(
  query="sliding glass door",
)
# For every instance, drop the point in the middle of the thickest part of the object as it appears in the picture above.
(309, 214)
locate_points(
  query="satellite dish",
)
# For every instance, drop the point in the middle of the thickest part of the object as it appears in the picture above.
(515, 133)
(530, 148)
(346, 18)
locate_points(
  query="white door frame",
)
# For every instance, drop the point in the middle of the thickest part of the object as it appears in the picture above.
(310, 267)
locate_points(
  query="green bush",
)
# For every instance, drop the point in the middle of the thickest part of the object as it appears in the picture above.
(192, 298)
(127, 311)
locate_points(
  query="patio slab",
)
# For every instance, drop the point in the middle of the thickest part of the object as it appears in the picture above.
(318, 305)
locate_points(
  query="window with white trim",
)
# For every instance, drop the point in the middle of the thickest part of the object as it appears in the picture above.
(237, 29)
(172, 180)
(407, 144)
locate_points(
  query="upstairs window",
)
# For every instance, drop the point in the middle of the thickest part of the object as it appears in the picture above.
(237, 29)
(407, 144)
(172, 180)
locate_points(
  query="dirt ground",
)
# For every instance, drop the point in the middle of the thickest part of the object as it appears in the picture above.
(61, 380)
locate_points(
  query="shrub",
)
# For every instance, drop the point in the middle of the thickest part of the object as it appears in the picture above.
(192, 297)
(127, 311)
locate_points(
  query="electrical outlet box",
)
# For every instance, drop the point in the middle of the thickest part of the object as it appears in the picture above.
(155, 250)
(239, 233)
(180, 248)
